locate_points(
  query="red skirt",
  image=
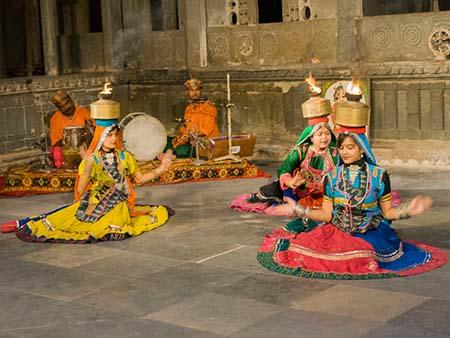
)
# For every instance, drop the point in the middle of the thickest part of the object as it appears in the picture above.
(328, 252)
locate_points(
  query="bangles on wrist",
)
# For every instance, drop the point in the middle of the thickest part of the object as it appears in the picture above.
(159, 171)
(301, 211)
(402, 211)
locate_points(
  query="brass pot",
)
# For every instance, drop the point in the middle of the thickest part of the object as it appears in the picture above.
(105, 109)
(315, 107)
(352, 114)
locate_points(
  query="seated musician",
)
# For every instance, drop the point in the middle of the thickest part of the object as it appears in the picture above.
(68, 114)
(200, 118)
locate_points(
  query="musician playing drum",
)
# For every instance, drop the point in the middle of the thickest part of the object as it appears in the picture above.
(68, 114)
(200, 118)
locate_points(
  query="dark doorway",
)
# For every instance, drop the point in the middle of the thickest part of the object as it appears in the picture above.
(157, 12)
(270, 11)
(444, 5)
(95, 16)
(20, 22)
(386, 7)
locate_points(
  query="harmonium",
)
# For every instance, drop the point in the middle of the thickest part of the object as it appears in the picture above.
(241, 145)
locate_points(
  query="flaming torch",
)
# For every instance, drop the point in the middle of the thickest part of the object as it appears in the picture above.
(353, 91)
(316, 106)
(314, 90)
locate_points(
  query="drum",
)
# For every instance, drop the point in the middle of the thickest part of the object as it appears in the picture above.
(143, 135)
(73, 138)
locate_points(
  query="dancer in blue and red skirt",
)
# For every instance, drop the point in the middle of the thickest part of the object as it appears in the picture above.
(355, 239)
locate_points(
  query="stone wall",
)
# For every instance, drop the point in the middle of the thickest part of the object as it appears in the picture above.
(411, 109)
(399, 37)
(25, 107)
(272, 44)
(268, 104)
(81, 53)
(165, 49)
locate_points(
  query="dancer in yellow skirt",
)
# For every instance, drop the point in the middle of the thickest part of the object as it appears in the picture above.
(106, 209)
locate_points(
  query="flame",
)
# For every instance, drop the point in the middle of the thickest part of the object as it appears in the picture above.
(313, 88)
(353, 88)
(107, 89)
(315, 60)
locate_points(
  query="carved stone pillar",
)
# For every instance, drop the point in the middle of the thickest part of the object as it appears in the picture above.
(81, 17)
(145, 19)
(196, 25)
(49, 22)
(170, 14)
(348, 14)
(133, 56)
(2, 42)
(113, 40)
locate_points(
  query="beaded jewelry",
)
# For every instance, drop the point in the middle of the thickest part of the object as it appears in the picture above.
(402, 211)
(109, 158)
(301, 211)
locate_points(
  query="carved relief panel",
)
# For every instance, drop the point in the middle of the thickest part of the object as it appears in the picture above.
(297, 10)
(164, 49)
(405, 38)
(219, 48)
(237, 12)
(266, 45)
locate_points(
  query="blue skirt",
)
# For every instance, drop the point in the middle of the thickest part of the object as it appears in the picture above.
(392, 253)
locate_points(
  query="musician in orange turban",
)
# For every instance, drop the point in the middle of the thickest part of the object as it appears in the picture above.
(68, 114)
(200, 118)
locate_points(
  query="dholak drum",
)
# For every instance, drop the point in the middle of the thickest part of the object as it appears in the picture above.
(73, 138)
(143, 135)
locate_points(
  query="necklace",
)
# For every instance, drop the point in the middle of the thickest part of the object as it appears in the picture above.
(353, 194)
(109, 158)
(112, 169)
(353, 171)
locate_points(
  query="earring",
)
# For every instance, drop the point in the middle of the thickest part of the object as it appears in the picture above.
(362, 155)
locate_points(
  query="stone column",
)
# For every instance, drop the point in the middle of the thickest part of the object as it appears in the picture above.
(132, 34)
(170, 15)
(252, 7)
(2, 42)
(49, 22)
(196, 25)
(81, 16)
(349, 13)
(29, 36)
(36, 36)
(113, 43)
(67, 18)
(145, 19)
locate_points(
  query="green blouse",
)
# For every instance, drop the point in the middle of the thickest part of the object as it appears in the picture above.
(297, 155)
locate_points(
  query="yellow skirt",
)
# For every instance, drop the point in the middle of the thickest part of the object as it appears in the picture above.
(63, 225)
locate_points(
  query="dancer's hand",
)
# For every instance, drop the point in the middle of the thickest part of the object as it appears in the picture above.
(419, 204)
(166, 158)
(300, 210)
(297, 180)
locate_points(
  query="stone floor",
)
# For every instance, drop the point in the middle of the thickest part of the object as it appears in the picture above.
(197, 276)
